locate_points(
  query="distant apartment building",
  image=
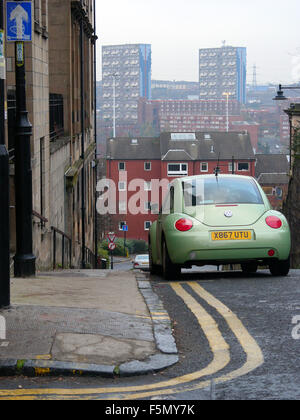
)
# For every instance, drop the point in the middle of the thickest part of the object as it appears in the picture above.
(167, 89)
(60, 171)
(126, 77)
(284, 129)
(223, 70)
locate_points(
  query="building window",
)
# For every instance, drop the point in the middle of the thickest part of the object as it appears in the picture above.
(37, 11)
(147, 225)
(177, 169)
(147, 186)
(121, 224)
(268, 190)
(204, 167)
(147, 166)
(122, 166)
(44, 14)
(122, 206)
(243, 166)
(230, 167)
(147, 205)
(122, 186)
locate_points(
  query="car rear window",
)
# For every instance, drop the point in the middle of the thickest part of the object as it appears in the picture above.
(218, 190)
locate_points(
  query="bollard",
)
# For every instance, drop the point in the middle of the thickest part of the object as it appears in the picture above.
(4, 229)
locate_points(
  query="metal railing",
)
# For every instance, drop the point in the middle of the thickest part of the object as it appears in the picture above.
(66, 248)
(56, 108)
(90, 259)
(42, 220)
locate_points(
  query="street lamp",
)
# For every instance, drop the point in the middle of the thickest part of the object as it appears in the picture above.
(227, 94)
(4, 181)
(280, 97)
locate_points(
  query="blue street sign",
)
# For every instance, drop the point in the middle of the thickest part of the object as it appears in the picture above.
(125, 228)
(19, 20)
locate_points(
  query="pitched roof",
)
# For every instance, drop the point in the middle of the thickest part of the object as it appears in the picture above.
(273, 179)
(210, 145)
(124, 148)
(183, 146)
(271, 164)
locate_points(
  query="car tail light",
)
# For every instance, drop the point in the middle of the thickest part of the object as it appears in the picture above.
(274, 222)
(183, 225)
(136, 264)
(271, 253)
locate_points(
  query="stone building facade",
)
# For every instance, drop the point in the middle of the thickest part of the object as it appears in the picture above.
(61, 167)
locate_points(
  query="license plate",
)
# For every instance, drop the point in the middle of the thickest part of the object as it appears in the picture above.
(234, 235)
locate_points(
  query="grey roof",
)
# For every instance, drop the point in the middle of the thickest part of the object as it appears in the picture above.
(211, 145)
(273, 179)
(123, 148)
(204, 146)
(270, 164)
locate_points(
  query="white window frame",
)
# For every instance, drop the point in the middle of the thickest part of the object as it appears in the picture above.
(243, 170)
(147, 205)
(181, 172)
(230, 167)
(124, 166)
(147, 186)
(122, 206)
(147, 163)
(121, 226)
(201, 169)
(120, 184)
(145, 224)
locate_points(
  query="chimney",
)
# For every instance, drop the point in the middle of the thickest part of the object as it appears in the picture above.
(194, 151)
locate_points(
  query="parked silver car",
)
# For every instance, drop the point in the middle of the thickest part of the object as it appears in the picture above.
(141, 262)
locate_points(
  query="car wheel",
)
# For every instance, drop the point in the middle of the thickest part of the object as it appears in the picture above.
(280, 268)
(249, 267)
(170, 270)
(153, 268)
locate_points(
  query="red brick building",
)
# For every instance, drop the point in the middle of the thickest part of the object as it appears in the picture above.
(272, 173)
(137, 166)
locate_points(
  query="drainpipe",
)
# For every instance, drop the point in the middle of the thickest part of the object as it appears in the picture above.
(95, 134)
(82, 87)
(4, 183)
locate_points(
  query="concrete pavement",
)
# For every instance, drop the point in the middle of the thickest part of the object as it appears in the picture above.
(96, 322)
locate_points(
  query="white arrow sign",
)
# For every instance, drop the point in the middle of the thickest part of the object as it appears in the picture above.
(19, 15)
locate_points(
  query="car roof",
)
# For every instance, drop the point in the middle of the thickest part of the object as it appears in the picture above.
(209, 176)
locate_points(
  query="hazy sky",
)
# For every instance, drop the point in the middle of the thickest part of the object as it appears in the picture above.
(178, 28)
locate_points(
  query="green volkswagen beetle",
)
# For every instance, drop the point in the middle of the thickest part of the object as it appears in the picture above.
(216, 220)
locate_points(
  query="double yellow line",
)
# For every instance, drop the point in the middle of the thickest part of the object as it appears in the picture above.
(190, 382)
